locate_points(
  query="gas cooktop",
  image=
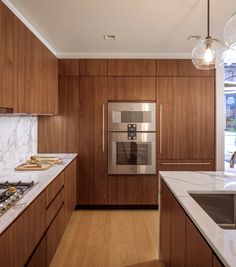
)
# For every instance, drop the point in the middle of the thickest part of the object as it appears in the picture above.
(11, 192)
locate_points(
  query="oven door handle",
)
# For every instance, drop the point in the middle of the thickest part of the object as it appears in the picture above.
(103, 128)
(161, 122)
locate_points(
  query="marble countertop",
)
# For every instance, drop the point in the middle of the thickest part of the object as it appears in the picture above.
(223, 242)
(41, 179)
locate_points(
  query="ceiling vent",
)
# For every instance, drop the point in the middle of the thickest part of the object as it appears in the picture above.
(109, 37)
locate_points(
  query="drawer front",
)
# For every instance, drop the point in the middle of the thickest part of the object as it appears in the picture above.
(54, 234)
(55, 206)
(185, 165)
(54, 188)
(39, 257)
(18, 242)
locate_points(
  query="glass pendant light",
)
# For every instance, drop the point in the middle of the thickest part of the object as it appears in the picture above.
(230, 32)
(208, 53)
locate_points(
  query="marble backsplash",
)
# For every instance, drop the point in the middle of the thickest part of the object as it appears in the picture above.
(18, 139)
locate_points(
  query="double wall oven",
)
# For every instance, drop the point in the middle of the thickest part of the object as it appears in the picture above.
(131, 138)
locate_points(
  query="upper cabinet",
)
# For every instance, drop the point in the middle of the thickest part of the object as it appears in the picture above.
(29, 71)
(186, 118)
(180, 67)
(6, 57)
(132, 67)
(35, 74)
(82, 67)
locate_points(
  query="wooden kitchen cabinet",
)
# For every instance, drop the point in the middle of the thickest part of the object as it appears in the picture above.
(35, 74)
(131, 88)
(178, 234)
(6, 57)
(39, 257)
(180, 68)
(186, 108)
(165, 224)
(132, 67)
(198, 253)
(132, 190)
(93, 67)
(216, 262)
(54, 233)
(92, 187)
(18, 242)
(181, 244)
(70, 180)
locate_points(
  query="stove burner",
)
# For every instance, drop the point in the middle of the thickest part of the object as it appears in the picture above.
(11, 192)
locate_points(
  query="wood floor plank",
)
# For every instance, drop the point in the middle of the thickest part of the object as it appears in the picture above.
(110, 238)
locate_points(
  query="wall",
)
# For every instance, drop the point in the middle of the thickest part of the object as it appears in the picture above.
(18, 139)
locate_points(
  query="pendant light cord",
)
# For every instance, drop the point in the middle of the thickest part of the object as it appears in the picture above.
(208, 18)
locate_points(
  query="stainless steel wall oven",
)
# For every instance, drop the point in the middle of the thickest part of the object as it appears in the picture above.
(131, 138)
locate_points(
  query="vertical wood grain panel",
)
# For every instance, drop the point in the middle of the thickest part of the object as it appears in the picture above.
(61, 133)
(93, 67)
(188, 118)
(6, 57)
(180, 67)
(198, 253)
(93, 167)
(68, 67)
(133, 190)
(131, 88)
(131, 67)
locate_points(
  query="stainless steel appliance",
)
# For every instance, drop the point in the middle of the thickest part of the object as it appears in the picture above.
(11, 192)
(143, 115)
(131, 138)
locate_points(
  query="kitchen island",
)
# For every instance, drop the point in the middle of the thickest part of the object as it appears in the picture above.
(187, 233)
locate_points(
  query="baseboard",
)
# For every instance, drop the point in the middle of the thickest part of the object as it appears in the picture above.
(116, 207)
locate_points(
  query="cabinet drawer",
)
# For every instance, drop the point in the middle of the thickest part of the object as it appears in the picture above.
(18, 242)
(55, 206)
(185, 165)
(39, 257)
(54, 234)
(54, 188)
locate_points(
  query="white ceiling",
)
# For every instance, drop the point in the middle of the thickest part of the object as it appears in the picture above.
(144, 28)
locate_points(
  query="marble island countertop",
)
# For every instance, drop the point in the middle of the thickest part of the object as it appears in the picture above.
(41, 180)
(222, 241)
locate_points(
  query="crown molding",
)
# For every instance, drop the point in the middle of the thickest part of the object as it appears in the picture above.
(62, 55)
(28, 25)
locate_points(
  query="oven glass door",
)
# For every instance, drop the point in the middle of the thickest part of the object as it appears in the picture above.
(122, 114)
(132, 156)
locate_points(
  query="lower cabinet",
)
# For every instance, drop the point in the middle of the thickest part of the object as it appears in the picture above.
(32, 239)
(54, 234)
(18, 242)
(132, 190)
(186, 165)
(39, 257)
(198, 253)
(181, 244)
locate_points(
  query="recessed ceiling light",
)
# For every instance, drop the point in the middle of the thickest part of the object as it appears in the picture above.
(194, 37)
(109, 37)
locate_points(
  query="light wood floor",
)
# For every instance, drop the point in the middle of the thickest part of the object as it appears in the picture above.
(110, 238)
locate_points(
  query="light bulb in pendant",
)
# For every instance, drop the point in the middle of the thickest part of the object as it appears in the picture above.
(209, 56)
